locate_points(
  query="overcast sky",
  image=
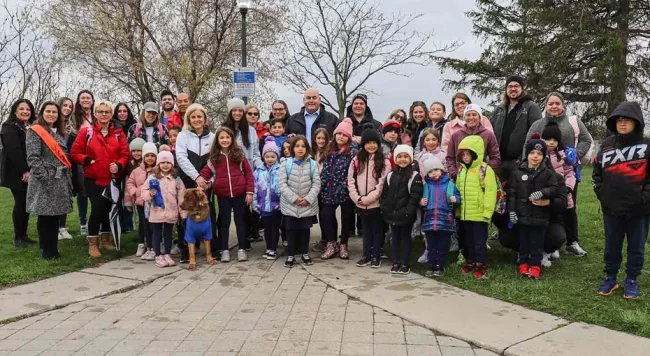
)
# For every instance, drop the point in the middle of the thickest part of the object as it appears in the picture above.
(448, 20)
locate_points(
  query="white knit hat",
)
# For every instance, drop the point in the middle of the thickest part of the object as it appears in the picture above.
(403, 149)
(472, 107)
(432, 162)
(235, 103)
(149, 147)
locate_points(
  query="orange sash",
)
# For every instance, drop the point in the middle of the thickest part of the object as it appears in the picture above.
(52, 144)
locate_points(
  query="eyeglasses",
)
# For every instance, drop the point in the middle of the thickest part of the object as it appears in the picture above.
(253, 114)
(460, 103)
(279, 109)
(514, 86)
(399, 117)
(103, 112)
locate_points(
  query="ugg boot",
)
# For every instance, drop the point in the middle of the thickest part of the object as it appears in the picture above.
(93, 247)
(192, 249)
(330, 251)
(208, 253)
(106, 242)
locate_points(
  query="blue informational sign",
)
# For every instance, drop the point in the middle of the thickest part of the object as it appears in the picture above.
(243, 80)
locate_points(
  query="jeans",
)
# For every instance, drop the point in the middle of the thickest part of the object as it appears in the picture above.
(226, 206)
(162, 231)
(329, 225)
(298, 242)
(474, 235)
(271, 226)
(531, 244)
(48, 237)
(20, 216)
(616, 229)
(437, 247)
(82, 207)
(144, 228)
(401, 234)
(373, 235)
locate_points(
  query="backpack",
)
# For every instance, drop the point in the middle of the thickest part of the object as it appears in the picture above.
(500, 207)
(586, 159)
(138, 127)
(312, 167)
(410, 183)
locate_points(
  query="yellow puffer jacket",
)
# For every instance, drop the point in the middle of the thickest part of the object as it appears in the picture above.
(476, 204)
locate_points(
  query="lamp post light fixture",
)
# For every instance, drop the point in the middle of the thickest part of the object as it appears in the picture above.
(243, 5)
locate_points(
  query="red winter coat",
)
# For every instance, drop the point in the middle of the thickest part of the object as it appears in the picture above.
(230, 180)
(260, 130)
(174, 119)
(103, 150)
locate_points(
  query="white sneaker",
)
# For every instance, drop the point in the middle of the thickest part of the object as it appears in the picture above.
(149, 255)
(545, 259)
(575, 249)
(555, 255)
(271, 256)
(140, 251)
(241, 256)
(64, 234)
(225, 256)
(83, 230)
(175, 250)
(423, 258)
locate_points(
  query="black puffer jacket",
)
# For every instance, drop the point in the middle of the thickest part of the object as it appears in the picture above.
(525, 181)
(398, 205)
(368, 122)
(14, 155)
(296, 124)
(621, 167)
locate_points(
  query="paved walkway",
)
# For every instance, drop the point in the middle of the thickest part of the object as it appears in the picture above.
(261, 308)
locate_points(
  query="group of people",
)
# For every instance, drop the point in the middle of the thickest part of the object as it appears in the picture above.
(421, 173)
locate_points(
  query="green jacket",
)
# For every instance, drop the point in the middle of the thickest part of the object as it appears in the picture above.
(477, 204)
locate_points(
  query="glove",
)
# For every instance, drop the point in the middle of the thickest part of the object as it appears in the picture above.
(513, 217)
(536, 195)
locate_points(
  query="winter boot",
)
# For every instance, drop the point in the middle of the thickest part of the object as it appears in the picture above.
(524, 270)
(535, 272)
(93, 247)
(330, 251)
(343, 252)
(106, 242)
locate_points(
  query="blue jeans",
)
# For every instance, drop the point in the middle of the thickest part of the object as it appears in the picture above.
(636, 231)
(437, 247)
(401, 234)
(162, 231)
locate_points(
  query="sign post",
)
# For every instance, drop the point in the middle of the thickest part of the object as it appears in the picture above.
(243, 80)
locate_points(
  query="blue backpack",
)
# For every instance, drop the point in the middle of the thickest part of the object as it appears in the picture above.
(312, 167)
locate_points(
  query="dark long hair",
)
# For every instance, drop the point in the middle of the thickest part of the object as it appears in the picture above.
(334, 147)
(59, 125)
(316, 152)
(235, 152)
(14, 107)
(78, 113)
(363, 155)
(130, 120)
(411, 124)
(62, 101)
(242, 127)
(286, 109)
(463, 96)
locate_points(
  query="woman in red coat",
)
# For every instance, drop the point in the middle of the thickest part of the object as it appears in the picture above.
(104, 154)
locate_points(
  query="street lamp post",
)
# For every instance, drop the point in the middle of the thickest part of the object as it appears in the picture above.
(243, 5)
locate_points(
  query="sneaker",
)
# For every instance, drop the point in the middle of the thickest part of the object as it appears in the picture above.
(319, 246)
(546, 259)
(140, 251)
(266, 253)
(423, 258)
(524, 270)
(185, 256)
(175, 250)
(375, 263)
(405, 269)
(168, 259)
(383, 254)
(160, 261)
(555, 255)
(575, 249)
(83, 230)
(429, 272)
(395, 268)
(225, 256)
(285, 243)
(20, 243)
(149, 255)
(289, 262)
(271, 256)
(363, 262)
(480, 271)
(29, 241)
(535, 272)
(439, 272)
(467, 268)
(631, 289)
(307, 260)
(64, 234)
(608, 287)
(241, 255)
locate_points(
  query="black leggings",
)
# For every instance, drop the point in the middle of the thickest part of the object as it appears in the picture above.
(144, 229)
(48, 236)
(571, 219)
(329, 224)
(100, 209)
(298, 242)
(20, 216)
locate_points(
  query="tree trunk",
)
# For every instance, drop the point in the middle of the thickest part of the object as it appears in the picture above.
(619, 58)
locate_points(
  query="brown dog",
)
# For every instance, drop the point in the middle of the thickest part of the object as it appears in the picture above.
(195, 202)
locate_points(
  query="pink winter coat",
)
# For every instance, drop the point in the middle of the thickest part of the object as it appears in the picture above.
(134, 185)
(422, 155)
(563, 168)
(365, 190)
(172, 192)
(454, 126)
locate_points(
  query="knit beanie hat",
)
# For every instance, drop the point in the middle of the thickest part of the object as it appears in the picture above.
(536, 143)
(403, 149)
(164, 148)
(389, 126)
(363, 97)
(270, 146)
(552, 130)
(235, 103)
(345, 127)
(515, 78)
(370, 135)
(472, 107)
(432, 162)
(149, 147)
(136, 144)
(165, 156)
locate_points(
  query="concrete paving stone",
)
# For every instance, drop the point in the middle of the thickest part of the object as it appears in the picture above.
(27, 334)
(302, 324)
(212, 353)
(582, 339)
(364, 337)
(451, 341)
(69, 345)
(284, 347)
(59, 353)
(131, 268)
(43, 325)
(5, 333)
(162, 345)
(295, 335)
(389, 350)
(91, 334)
(21, 324)
(199, 334)
(257, 346)
(194, 346)
(25, 353)
(484, 352)
(246, 325)
(365, 316)
(357, 349)
(84, 316)
(350, 326)
(456, 351)
(226, 345)
(329, 325)
(343, 275)
(131, 346)
(11, 345)
(421, 339)
(388, 328)
(98, 346)
(389, 338)
(71, 324)
(320, 347)
(423, 350)
(387, 318)
(269, 324)
(38, 345)
(329, 336)
(415, 329)
(331, 316)
(264, 335)
(182, 325)
(122, 353)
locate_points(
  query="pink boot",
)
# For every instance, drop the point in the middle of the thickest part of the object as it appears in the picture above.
(168, 259)
(343, 252)
(330, 251)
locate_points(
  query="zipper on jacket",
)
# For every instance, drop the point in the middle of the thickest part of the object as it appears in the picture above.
(229, 177)
(465, 190)
(435, 209)
(367, 169)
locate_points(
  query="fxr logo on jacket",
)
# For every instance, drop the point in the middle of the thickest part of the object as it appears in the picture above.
(629, 161)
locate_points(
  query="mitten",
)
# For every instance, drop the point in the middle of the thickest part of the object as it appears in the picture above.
(513, 217)
(536, 195)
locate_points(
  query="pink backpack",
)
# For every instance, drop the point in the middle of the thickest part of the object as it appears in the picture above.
(586, 159)
(138, 127)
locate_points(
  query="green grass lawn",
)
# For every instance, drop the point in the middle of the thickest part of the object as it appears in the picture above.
(24, 265)
(568, 288)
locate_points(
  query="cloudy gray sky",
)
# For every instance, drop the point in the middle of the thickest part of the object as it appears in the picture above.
(448, 20)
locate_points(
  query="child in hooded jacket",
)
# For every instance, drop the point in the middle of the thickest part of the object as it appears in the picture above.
(134, 184)
(163, 219)
(334, 191)
(266, 200)
(366, 176)
(476, 182)
(438, 222)
(399, 203)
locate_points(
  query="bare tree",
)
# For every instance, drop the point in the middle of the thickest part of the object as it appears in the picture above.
(341, 44)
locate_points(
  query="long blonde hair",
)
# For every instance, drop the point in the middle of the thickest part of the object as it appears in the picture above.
(192, 108)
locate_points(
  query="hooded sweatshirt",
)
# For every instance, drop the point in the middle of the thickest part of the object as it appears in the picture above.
(477, 204)
(621, 167)
(491, 147)
(367, 122)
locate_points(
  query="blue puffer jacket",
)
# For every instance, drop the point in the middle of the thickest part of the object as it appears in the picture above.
(439, 213)
(266, 198)
(334, 177)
